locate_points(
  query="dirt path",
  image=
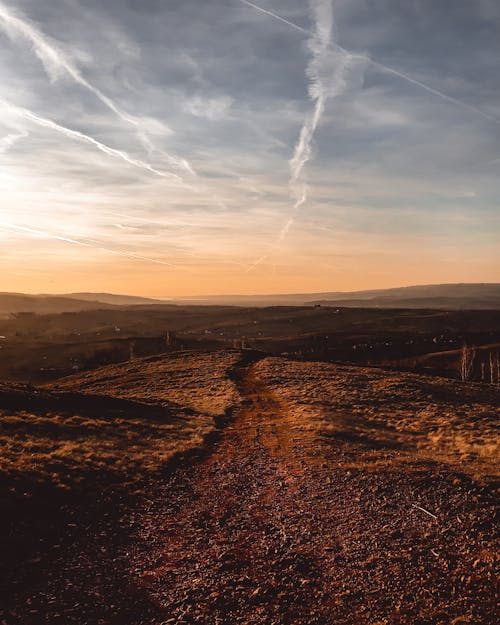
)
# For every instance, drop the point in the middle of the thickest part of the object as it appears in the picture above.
(236, 544)
(266, 530)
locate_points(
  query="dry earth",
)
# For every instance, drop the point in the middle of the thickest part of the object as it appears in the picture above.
(334, 495)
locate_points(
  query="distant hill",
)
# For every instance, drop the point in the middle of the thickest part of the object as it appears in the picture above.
(441, 296)
(11, 303)
(44, 304)
(437, 296)
(116, 300)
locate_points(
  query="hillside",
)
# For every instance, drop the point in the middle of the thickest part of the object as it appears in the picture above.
(441, 296)
(231, 487)
(11, 303)
(437, 296)
(116, 300)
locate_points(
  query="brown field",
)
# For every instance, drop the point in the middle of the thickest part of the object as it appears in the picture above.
(44, 347)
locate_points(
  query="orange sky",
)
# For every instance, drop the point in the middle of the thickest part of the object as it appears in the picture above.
(59, 267)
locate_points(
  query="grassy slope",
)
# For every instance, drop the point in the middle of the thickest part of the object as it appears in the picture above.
(115, 424)
(371, 411)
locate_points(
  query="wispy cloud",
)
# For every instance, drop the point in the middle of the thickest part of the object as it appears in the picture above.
(57, 63)
(326, 73)
(363, 155)
(82, 243)
(79, 136)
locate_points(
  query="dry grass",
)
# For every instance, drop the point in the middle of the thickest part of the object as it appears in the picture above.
(65, 449)
(74, 431)
(196, 380)
(370, 411)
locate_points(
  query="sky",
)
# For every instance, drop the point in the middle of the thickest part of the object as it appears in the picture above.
(189, 147)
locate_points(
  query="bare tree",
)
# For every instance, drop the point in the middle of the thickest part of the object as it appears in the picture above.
(467, 362)
(492, 367)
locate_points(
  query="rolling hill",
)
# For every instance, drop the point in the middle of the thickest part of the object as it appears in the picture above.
(436, 296)
(440, 296)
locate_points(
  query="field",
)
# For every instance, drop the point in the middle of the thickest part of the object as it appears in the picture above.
(229, 486)
(39, 348)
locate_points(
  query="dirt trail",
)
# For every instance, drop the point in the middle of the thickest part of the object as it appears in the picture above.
(266, 531)
(236, 544)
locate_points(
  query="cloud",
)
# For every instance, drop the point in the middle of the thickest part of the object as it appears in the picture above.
(290, 123)
(57, 64)
(322, 11)
(326, 72)
(213, 109)
(79, 136)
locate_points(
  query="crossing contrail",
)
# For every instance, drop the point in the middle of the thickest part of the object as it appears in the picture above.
(386, 68)
(436, 92)
(57, 63)
(80, 136)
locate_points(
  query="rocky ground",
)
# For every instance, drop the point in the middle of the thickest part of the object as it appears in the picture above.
(298, 514)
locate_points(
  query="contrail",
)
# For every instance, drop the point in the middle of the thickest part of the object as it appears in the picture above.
(57, 237)
(276, 16)
(386, 68)
(440, 94)
(80, 136)
(301, 199)
(323, 85)
(256, 263)
(326, 72)
(55, 63)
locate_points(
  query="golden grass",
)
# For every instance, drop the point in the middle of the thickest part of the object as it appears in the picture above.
(373, 410)
(66, 449)
(197, 380)
(172, 406)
